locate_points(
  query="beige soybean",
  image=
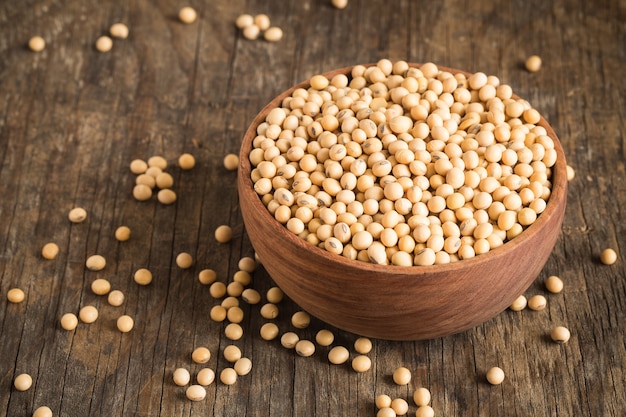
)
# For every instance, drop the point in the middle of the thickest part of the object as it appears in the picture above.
(138, 166)
(305, 348)
(95, 263)
(77, 215)
(228, 376)
(273, 34)
(300, 320)
(142, 192)
(537, 302)
(289, 340)
(386, 412)
(554, 284)
(166, 196)
(421, 396)
(181, 377)
(119, 30)
(187, 15)
(608, 256)
(69, 321)
(36, 44)
(223, 234)
(324, 337)
(340, 4)
(43, 411)
(195, 392)
(424, 411)
(383, 401)
(23, 382)
(104, 43)
(100, 286)
(205, 376)
(274, 295)
(338, 355)
(164, 180)
(88, 314)
(400, 406)
(495, 375)
(184, 260)
(363, 345)
(50, 250)
(142, 276)
(533, 63)
(519, 303)
(15, 295)
(269, 331)
(262, 21)
(243, 366)
(125, 323)
(218, 313)
(361, 363)
(244, 20)
(233, 331)
(217, 289)
(269, 311)
(122, 233)
(232, 353)
(116, 298)
(251, 296)
(401, 376)
(560, 334)
(186, 161)
(207, 276)
(201, 355)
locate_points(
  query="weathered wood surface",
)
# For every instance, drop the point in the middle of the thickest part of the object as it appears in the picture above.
(71, 119)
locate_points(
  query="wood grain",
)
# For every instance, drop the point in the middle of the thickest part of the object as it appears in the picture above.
(71, 119)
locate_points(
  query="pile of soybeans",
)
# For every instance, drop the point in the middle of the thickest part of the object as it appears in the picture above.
(404, 165)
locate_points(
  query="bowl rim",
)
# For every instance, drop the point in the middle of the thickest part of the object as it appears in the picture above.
(558, 195)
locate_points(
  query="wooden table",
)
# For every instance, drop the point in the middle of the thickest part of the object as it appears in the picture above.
(72, 119)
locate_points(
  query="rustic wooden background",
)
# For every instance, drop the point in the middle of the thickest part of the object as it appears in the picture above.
(71, 120)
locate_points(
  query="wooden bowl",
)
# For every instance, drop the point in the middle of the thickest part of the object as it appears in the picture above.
(394, 302)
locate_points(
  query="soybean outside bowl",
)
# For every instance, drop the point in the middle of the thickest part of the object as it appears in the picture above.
(394, 302)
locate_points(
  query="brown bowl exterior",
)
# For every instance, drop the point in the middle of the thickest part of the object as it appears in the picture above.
(393, 302)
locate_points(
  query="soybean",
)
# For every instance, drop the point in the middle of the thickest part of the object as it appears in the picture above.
(187, 15)
(15, 295)
(495, 375)
(201, 355)
(361, 363)
(95, 263)
(608, 256)
(88, 314)
(184, 260)
(402, 376)
(42, 411)
(23, 382)
(560, 334)
(77, 215)
(69, 321)
(205, 376)
(195, 392)
(338, 355)
(125, 323)
(181, 377)
(50, 250)
(36, 44)
(554, 284)
(223, 234)
(122, 233)
(537, 302)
